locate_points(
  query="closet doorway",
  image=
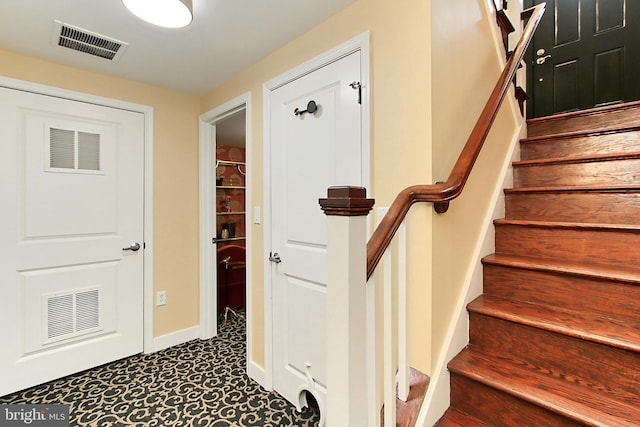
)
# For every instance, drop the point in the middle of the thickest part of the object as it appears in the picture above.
(230, 211)
(224, 231)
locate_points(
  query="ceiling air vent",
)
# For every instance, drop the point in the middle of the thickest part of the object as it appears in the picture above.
(86, 41)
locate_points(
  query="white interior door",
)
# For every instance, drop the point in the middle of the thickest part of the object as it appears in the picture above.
(72, 201)
(310, 152)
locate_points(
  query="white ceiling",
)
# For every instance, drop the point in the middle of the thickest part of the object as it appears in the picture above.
(225, 37)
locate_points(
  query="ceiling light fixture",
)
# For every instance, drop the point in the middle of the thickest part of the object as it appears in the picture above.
(164, 13)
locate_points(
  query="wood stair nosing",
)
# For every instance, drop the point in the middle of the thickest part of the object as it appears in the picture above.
(599, 189)
(557, 395)
(589, 158)
(567, 225)
(623, 333)
(559, 356)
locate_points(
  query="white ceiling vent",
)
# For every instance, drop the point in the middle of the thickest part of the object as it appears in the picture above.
(85, 41)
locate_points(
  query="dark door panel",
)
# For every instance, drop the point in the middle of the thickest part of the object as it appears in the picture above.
(586, 53)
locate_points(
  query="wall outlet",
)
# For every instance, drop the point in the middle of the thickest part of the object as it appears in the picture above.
(161, 298)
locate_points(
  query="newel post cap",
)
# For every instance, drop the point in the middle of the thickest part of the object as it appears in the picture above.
(346, 201)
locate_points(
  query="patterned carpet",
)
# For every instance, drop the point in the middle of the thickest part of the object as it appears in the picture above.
(199, 383)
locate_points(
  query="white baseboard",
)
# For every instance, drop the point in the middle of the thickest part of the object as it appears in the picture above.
(175, 338)
(257, 373)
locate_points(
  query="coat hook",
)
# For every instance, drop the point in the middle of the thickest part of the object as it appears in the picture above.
(311, 108)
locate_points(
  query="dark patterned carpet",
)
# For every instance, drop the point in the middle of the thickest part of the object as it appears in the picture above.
(199, 383)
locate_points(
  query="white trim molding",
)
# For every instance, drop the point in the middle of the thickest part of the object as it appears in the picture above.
(176, 338)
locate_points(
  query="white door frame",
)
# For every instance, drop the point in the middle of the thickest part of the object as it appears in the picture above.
(358, 43)
(147, 111)
(208, 277)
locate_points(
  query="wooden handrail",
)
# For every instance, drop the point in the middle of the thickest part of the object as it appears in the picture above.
(441, 193)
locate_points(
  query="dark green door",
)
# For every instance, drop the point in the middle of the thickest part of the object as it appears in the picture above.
(586, 53)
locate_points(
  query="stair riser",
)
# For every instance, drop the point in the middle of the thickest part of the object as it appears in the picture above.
(620, 142)
(604, 119)
(586, 207)
(500, 409)
(600, 296)
(559, 356)
(613, 172)
(610, 247)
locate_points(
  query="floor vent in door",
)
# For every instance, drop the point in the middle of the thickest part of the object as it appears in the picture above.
(85, 41)
(70, 315)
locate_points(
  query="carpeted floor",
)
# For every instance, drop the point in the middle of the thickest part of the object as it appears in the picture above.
(199, 383)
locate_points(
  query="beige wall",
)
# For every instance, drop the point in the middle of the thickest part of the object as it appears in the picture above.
(176, 267)
(465, 69)
(401, 130)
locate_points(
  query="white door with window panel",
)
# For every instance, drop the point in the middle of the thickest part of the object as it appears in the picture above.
(71, 275)
(316, 143)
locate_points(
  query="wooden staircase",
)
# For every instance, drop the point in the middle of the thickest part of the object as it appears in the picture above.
(555, 338)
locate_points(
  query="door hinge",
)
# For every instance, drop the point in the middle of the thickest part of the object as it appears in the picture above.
(357, 86)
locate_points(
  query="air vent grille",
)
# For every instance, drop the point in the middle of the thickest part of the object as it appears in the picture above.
(88, 42)
(72, 314)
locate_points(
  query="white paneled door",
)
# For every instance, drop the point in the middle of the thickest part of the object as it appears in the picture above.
(71, 236)
(316, 143)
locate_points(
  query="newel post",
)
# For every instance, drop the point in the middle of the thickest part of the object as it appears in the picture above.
(346, 209)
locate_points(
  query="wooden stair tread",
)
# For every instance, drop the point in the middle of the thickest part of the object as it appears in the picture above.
(454, 418)
(623, 333)
(628, 275)
(407, 412)
(578, 159)
(555, 394)
(631, 228)
(579, 134)
(617, 188)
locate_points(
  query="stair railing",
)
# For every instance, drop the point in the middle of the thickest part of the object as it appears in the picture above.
(355, 387)
(441, 194)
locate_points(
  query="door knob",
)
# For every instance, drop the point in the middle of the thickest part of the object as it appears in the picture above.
(542, 59)
(134, 246)
(275, 258)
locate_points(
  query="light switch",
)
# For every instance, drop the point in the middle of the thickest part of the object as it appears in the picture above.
(256, 214)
